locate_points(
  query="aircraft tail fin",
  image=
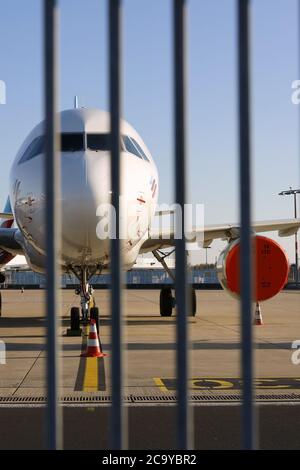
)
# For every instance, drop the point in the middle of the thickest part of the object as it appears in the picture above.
(7, 215)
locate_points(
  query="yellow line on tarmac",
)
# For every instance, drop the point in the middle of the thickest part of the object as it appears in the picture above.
(160, 384)
(90, 381)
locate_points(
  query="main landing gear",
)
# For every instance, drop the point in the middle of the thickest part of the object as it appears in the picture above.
(166, 300)
(88, 310)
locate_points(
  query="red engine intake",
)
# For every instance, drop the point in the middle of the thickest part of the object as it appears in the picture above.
(272, 268)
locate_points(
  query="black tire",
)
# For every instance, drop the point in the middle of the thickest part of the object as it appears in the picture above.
(75, 318)
(193, 303)
(166, 302)
(0, 304)
(94, 315)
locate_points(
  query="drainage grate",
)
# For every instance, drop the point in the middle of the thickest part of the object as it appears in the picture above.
(22, 400)
(136, 399)
(153, 398)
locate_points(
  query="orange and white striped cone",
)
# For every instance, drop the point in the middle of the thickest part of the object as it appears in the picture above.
(258, 316)
(93, 346)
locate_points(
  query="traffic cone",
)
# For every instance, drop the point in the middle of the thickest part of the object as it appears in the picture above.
(93, 347)
(258, 316)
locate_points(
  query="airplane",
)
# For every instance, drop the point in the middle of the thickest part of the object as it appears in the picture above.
(85, 190)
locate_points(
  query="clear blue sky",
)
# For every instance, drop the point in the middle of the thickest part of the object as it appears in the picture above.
(148, 90)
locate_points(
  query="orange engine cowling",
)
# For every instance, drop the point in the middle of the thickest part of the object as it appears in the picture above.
(272, 268)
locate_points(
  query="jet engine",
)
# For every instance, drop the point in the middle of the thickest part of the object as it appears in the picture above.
(271, 268)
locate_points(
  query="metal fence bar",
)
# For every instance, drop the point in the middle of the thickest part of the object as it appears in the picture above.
(53, 230)
(296, 195)
(118, 438)
(246, 305)
(181, 288)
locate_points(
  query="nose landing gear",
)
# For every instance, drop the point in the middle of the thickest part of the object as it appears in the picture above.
(86, 301)
(88, 309)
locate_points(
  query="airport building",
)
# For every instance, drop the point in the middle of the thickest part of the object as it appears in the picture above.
(137, 277)
(146, 272)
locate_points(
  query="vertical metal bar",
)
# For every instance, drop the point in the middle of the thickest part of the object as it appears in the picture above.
(117, 412)
(245, 216)
(296, 242)
(296, 277)
(52, 221)
(181, 290)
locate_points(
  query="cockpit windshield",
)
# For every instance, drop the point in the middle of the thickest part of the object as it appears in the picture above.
(98, 142)
(72, 142)
(69, 142)
(78, 141)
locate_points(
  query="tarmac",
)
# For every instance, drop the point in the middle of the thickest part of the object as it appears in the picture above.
(150, 379)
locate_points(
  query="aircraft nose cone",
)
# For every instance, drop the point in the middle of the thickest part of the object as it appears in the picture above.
(80, 200)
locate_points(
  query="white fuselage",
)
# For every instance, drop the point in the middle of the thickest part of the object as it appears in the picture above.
(85, 195)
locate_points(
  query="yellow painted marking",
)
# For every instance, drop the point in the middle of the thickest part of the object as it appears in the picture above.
(234, 383)
(160, 384)
(85, 330)
(90, 381)
(219, 384)
(261, 383)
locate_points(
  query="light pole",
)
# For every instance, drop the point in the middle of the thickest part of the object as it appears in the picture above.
(294, 192)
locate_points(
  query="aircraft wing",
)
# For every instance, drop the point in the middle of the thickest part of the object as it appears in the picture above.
(164, 238)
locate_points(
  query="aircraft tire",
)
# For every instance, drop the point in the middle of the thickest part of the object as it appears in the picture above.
(193, 303)
(166, 302)
(75, 318)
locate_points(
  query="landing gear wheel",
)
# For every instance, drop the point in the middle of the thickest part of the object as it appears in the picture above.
(94, 315)
(193, 303)
(75, 318)
(166, 302)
